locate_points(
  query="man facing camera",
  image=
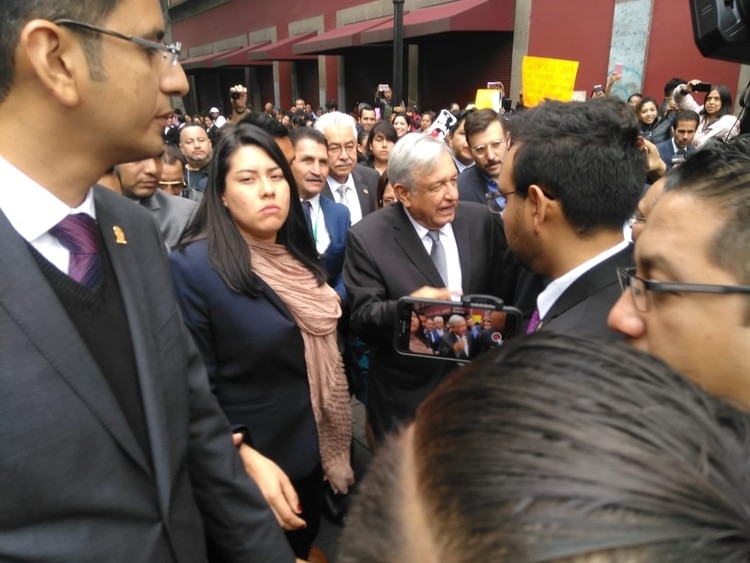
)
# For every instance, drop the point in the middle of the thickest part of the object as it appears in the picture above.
(571, 180)
(428, 245)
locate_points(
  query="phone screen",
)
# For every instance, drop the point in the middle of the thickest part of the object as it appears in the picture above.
(451, 330)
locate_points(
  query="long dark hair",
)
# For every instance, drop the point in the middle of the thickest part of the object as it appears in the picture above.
(726, 101)
(227, 250)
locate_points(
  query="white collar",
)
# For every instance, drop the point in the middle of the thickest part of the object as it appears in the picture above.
(335, 184)
(422, 231)
(556, 288)
(314, 202)
(32, 209)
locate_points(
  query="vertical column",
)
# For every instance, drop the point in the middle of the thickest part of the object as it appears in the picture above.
(521, 27)
(631, 28)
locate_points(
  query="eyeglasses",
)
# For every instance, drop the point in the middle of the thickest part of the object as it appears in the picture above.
(170, 53)
(638, 288)
(335, 150)
(636, 219)
(481, 150)
(497, 201)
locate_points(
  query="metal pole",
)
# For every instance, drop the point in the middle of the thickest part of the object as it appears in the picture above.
(398, 51)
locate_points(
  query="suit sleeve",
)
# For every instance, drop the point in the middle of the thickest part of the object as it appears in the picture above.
(239, 524)
(372, 314)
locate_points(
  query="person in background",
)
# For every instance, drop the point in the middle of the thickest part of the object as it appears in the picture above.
(380, 143)
(386, 195)
(426, 120)
(717, 120)
(456, 139)
(653, 127)
(402, 123)
(254, 297)
(557, 449)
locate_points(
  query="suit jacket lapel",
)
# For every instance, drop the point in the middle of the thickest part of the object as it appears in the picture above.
(363, 193)
(56, 338)
(597, 278)
(125, 261)
(462, 232)
(406, 237)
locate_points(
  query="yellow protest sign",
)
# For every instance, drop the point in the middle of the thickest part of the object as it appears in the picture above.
(488, 98)
(548, 78)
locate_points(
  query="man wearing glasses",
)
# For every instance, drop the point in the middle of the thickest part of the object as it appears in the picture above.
(349, 183)
(570, 181)
(488, 142)
(688, 299)
(112, 447)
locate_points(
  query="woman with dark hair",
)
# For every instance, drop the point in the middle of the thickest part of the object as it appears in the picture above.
(653, 127)
(380, 142)
(717, 120)
(402, 123)
(254, 297)
(386, 195)
(417, 340)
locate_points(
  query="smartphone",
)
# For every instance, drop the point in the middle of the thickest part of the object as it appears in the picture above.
(618, 68)
(598, 89)
(234, 95)
(507, 105)
(470, 327)
(382, 87)
(702, 87)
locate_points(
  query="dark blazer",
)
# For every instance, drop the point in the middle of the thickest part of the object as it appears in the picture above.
(583, 308)
(172, 214)
(255, 359)
(68, 457)
(472, 185)
(666, 152)
(366, 182)
(448, 340)
(385, 260)
(337, 219)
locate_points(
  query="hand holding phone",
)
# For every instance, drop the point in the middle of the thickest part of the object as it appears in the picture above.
(618, 68)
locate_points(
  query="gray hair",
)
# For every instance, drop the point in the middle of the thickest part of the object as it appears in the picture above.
(455, 319)
(413, 155)
(336, 119)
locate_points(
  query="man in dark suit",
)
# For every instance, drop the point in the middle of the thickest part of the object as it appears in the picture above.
(328, 220)
(458, 341)
(681, 144)
(488, 142)
(428, 245)
(571, 179)
(350, 184)
(140, 182)
(113, 447)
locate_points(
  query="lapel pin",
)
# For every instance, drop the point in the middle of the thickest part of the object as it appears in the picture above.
(366, 191)
(119, 235)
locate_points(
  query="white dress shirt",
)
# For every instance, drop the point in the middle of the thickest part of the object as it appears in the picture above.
(556, 288)
(33, 211)
(320, 231)
(448, 240)
(350, 197)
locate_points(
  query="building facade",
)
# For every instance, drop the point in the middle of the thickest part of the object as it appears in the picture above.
(342, 49)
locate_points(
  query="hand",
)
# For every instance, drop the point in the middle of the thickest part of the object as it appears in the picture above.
(427, 292)
(237, 439)
(459, 346)
(275, 487)
(614, 77)
(672, 106)
(240, 103)
(693, 82)
(655, 166)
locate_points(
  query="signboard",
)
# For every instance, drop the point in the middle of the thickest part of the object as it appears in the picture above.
(548, 78)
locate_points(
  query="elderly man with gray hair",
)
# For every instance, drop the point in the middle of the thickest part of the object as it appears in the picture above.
(428, 245)
(348, 183)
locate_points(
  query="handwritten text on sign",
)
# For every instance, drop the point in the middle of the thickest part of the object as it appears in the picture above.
(548, 78)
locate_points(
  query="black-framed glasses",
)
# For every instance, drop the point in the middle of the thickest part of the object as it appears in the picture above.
(639, 288)
(170, 53)
(497, 201)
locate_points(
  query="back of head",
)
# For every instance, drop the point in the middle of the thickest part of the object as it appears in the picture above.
(562, 449)
(672, 84)
(584, 154)
(172, 154)
(718, 175)
(268, 123)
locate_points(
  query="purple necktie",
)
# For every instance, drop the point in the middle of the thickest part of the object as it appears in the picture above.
(78, 233)
(533, 322)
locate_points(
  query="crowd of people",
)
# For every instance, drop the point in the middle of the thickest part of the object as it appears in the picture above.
(188, 304)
